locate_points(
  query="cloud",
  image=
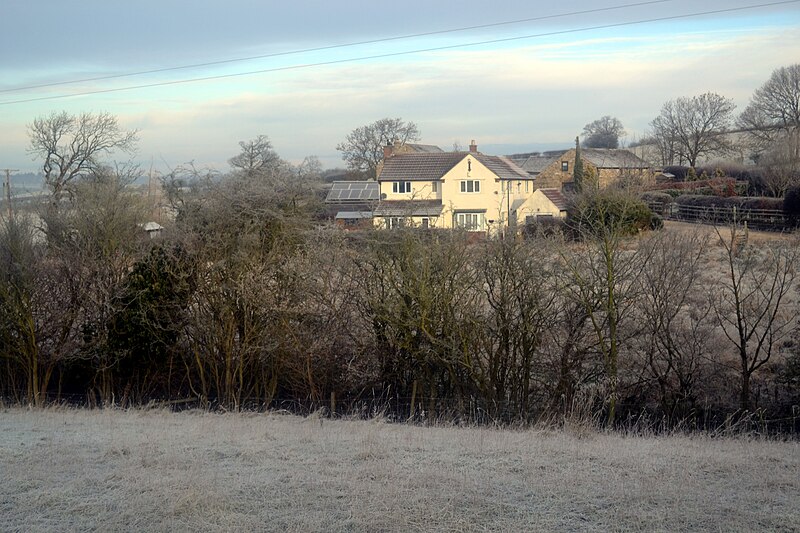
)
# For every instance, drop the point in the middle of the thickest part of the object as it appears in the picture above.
(538, 93)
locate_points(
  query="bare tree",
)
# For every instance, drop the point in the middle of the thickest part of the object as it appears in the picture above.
(603, 133)
(602, 279)
(520, 293)
(92, 246)
(362, 150)
(781, 164)
(72, 145)
(664, 137)
(257, 157)
(419, 295)
(676, 320)
(19, 288)
(751, 307)
(695, 126)
(774, 111)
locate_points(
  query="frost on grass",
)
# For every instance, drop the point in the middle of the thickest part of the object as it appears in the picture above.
(153, 470)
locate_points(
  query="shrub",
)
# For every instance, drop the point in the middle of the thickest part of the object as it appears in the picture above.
(759, 202)
(714, 186)
(608, 209)
(678, 171)
(724, 169)
(660, 197)
(791, 205)
(741, 202)
(544, 226)
(657, 222)
(673, 193)
(721, 209)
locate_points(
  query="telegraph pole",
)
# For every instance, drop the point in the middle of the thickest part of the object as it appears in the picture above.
(8, 191)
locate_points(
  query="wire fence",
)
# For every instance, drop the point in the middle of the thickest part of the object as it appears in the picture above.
(760, 219)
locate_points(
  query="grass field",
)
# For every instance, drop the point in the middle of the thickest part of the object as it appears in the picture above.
(107, 470)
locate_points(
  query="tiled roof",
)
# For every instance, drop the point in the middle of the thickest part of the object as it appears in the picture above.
(556, 196)
(425, 148)
(419, 166)
(432, 166)
(536, 163)
(409, 208)
(612, 158)
(502, 166)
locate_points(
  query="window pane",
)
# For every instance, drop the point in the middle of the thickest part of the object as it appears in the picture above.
(477, 186)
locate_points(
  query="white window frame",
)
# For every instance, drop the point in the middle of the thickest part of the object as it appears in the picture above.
(470, 220)
(395, 222)
(466, 185)
(401, 187)
(434, 186)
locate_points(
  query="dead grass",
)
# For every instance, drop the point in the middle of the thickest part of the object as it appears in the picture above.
(78, 470)
(753, 236)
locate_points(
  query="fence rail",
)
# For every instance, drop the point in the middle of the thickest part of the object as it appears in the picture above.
(763, 219)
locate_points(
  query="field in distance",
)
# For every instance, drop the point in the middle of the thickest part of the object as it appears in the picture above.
(109, 470)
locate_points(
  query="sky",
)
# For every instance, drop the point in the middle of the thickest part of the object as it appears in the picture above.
(515, 76)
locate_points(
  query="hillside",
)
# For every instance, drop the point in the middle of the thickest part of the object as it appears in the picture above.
(154, 470)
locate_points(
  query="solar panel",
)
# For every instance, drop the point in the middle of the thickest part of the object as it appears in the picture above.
(352, 191)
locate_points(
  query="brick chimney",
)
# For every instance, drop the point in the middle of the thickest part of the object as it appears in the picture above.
(473, 147)
(388, 151)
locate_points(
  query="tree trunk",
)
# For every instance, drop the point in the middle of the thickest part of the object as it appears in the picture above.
(744, 397)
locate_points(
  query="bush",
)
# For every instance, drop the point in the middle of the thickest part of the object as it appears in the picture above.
(608, 209)
(712, 187)
(660, 197)
(717, 209)
(673, 193)
(725, 169)
(740, 202)
(759, 202)
(657, 222)
(544, 226)
(791, 205)
(678, 171)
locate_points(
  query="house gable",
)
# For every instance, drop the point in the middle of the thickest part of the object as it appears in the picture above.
(468, 187)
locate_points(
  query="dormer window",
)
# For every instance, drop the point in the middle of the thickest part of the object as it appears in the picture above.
(565, 166)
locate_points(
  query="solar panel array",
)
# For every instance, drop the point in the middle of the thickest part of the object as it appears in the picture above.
(354, 191)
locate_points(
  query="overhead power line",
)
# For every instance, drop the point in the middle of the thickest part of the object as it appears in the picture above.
(337, 46)
(396, 54)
